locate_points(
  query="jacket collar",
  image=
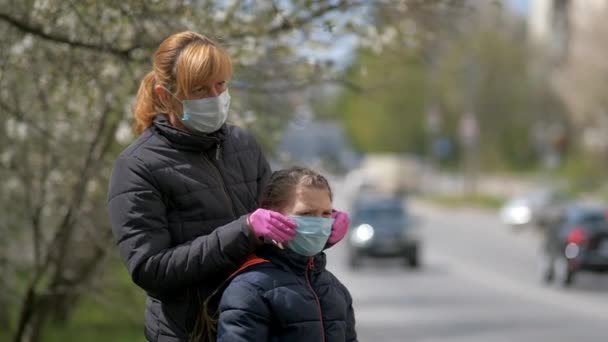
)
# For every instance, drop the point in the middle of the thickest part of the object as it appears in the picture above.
(289, 259)
(183, 140)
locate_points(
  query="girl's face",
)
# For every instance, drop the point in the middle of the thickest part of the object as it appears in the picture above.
(309, 201)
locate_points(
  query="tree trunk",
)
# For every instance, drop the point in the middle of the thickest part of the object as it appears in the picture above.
(4, 317)
(32, 317)
(62, 307)
(39, 320)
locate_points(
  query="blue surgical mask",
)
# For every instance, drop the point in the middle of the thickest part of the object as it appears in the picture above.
(311, 236)
(205, 115)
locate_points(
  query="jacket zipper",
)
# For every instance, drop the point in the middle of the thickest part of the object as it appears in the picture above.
(221, 181)
(310, 267)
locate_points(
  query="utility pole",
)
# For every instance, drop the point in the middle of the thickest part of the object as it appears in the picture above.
(469, 126)
(469, 137)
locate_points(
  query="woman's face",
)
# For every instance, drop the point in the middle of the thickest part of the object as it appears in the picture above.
(210, 89)
(309, 201)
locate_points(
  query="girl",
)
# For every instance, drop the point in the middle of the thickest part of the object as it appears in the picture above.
(284, 292)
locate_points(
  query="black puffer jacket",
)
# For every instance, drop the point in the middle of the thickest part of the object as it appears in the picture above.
(291, 298)
(177, 204)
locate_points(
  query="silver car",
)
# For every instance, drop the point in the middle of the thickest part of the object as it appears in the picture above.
(533, 208)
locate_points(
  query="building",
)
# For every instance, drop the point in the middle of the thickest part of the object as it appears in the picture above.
(556, 25)
(574, 32)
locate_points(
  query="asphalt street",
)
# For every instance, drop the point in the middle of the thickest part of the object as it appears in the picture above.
(478, 282)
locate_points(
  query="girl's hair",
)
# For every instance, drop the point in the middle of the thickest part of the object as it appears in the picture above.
(283, 183)
(182, 62)
(277, 194)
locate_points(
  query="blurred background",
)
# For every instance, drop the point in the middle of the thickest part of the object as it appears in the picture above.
(467, 139)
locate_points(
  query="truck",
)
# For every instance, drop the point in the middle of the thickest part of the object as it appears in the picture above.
(387, 172)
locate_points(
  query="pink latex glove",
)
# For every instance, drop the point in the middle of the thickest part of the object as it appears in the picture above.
(339, 228)
(271, 224)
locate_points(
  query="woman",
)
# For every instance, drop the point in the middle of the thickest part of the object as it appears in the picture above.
(286, 294)
(180, 195)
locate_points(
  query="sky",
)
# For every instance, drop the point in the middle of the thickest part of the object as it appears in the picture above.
(342, 48)
(520, 6)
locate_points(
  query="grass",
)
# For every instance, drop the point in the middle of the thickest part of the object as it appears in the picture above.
(460, 201)
(91, 332)
(114, 321)
(115, 314)
(113, 311)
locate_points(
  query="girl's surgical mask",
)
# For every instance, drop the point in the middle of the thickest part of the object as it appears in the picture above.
(311, 236)
(205, 115)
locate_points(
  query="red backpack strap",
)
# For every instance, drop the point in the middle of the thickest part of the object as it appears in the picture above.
(250, 261)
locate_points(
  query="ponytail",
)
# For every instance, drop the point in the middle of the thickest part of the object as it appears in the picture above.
(205, 327)
(145, 104)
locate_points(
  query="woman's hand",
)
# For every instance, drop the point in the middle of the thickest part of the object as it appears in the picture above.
(271, 224)
(340, 226)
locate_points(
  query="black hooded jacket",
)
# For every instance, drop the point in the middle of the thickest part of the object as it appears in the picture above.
(177, 204)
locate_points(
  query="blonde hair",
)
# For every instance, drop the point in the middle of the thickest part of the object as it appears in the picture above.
(182, 62)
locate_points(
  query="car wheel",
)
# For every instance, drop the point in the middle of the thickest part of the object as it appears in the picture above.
(562, 273)
(545, 269)
(413, 261)
(355, 261)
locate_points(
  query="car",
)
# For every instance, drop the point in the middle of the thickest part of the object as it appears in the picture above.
(534, 208)
(382, 228)
(577, 241)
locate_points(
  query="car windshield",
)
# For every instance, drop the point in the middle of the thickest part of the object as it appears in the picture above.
(381, 214)
(375, 214)
(593, 219)
(590, 218)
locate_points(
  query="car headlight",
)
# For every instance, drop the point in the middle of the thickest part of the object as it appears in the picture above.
(521, 214)
(362, 234)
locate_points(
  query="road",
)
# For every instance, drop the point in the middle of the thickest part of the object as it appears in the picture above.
(478, 283)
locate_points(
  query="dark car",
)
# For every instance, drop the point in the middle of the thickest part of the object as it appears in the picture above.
(382, 227)
(576, 241)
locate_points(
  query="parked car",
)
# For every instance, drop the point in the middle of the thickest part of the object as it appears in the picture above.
(536, 208)
(382, 227)
(577, 241)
